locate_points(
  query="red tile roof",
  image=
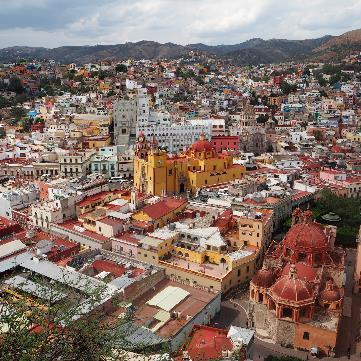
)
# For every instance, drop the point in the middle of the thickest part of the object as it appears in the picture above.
(208, 343)
(164, 207)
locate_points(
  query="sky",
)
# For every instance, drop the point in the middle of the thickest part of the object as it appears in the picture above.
(52, 23)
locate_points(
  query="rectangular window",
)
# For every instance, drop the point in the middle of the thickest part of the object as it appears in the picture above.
(306, 335)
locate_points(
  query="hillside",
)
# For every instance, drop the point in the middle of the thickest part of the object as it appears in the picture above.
(338, 47)
(83, 54)
(253, 51)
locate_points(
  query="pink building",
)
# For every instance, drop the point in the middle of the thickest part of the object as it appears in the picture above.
(224, 142)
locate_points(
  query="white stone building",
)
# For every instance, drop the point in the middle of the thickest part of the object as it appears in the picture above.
(17, 199)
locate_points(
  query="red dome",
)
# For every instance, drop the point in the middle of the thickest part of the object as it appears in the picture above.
(307, 236)
(292, 289)
(331, 293)
(202, 145)
(304, 271)
(264, 278)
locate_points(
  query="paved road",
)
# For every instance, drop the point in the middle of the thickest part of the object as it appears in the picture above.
(349, 327)
(230, 314)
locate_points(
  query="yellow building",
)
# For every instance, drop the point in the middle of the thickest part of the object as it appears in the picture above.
(353, 137)
(203, 263)
(96, 142)
(156, 173)
(157, 215)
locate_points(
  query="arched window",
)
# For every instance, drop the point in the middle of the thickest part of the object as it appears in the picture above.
(287, 312)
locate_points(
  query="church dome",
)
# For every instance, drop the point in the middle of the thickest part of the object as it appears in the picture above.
(264, 278)
(306, 236)
(304, 271)
(291, 288)
(202, 145)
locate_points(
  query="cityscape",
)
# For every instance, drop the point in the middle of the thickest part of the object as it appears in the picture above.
(177, 198)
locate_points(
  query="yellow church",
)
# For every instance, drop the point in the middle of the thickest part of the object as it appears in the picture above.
(157, 173)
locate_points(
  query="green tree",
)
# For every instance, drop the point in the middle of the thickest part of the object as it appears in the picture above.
(321, 80)
(2, 133)
(288, 88)
(20, 98)
(3, 102)
(347, 208)
(121, 68)
(103, 74)
(26, 124)
(307, 71)
(15, 84)
(262, 119)
(18, 113)
(323, 93)
(55, 330)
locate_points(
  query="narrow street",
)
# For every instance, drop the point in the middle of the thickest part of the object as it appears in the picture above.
(350, 323)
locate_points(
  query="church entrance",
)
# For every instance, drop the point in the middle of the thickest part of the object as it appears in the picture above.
(181, 188)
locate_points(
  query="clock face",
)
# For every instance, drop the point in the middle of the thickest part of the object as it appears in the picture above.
(141, 139)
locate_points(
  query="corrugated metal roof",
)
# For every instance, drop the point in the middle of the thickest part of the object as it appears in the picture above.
(162, 315)
(241, 334)
(10, 248)
(35, 289)
(13, 262)
(168, 298)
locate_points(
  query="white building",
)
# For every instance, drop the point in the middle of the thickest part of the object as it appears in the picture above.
(126, 114)
(176, 137)
(17, 199)
(57, 211)
(75, 164)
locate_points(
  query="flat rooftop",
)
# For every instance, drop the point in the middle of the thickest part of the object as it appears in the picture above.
(209, 269)
(150, 315)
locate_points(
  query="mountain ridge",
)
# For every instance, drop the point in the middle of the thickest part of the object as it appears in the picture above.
(253, 51)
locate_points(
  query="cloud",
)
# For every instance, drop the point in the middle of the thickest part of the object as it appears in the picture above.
(53, 23)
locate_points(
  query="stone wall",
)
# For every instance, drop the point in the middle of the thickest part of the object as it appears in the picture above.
(285, 333)
(336, 274)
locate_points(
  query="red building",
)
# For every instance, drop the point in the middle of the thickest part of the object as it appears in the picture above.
(38, 127)
(301, 288)
(7, 227)
(225, 142)
(208, 343)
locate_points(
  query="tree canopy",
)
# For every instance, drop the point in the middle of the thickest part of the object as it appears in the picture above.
(121, 68)
(50, 329)
(15, 85)
(347, 208)
(18, 113)
(288, 88)
(2, 133)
